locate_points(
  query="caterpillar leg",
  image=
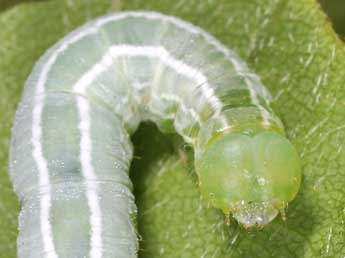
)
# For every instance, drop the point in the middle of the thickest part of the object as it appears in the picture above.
(228, 218)
(283, 214)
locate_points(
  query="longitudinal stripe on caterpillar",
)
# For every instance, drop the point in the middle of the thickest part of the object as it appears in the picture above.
(91, 90)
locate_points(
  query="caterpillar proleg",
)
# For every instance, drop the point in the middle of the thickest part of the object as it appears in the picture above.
(71, 149)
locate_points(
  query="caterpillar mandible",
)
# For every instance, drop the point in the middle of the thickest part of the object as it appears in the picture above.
(71, 150)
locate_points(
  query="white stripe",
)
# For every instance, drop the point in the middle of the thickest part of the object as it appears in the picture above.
(90, 177)
(43, 171)
(149, 51)
(238, 64)
(43, 174)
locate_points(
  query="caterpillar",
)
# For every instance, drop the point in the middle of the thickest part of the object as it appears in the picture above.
(71, 150)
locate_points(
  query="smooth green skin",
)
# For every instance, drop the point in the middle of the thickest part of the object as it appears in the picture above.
(173, 221)
(242, 174)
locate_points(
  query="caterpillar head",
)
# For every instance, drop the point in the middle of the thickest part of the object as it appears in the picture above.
(251, 177)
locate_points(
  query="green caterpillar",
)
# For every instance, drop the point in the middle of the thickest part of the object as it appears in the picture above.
(71, 150)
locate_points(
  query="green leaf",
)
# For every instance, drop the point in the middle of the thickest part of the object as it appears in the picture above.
(291, 45)
(8, 3)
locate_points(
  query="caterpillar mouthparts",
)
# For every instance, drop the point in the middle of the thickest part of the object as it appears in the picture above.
(253, 177)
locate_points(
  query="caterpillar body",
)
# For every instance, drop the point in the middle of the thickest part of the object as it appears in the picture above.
(71, 150)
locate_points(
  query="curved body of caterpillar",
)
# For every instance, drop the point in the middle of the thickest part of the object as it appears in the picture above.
(71, 151)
